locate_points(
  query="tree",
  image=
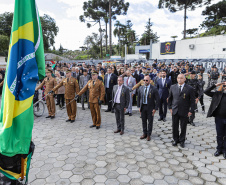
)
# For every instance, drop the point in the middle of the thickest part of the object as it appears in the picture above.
(119, 31)
(4, 45)
(148, 35)
(192, 31)
(98, 11)
(61, 49)
(92, 42)
(215, 22)
(178, 5)
(6, 20)
(49, 31)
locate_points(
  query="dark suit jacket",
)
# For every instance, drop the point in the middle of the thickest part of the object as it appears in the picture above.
(181, 103)
(100, 78)
(136, 76)
(112, 82)
(163, 91)
(153, 98)
(216, 98)
(124, 98)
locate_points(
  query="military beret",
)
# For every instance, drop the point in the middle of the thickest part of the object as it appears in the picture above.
(68, 71)
(148, 69)
(193, 72)
(49, 71)
(144, 67)
(94, 73)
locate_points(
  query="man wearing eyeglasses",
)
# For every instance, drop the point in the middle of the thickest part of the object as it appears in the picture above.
(148, 102)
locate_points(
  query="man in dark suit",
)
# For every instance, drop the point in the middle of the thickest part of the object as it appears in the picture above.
(217, 109)
(181, 103)
(136, 76)
(148, 102)
(121, 99)
(110, 80)
(163, 85)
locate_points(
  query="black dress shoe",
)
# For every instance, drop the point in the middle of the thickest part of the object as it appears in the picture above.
(57, 104)
(224, 155)
(117, 131)
(107, 110)
(48, 117)
(159, 119)
(126, 113)
(164, 119)
(83, 108)
(72, 121)
(130, 114)
(97, 127)
(175, 143)
(182, 144)
(218, 153)
(68, 120)
(52, 117)
(192, 123)
(112, 111)
(92, 126)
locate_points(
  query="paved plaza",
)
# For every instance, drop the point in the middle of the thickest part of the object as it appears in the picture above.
(73, 153)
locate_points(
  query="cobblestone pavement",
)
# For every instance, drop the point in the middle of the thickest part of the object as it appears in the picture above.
(73, 153)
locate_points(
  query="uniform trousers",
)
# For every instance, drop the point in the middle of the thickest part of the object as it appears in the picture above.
(50, 102)
(95, 113)
(71, 108)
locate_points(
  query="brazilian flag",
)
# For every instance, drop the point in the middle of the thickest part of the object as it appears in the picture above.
(25, 66)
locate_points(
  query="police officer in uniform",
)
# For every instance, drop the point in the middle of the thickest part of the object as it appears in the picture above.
(194, 83)
(50, 83)
(96, 98)
(71, 87)
(214, 75)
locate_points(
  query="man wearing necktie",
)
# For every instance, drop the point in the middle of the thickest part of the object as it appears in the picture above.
(50, 83)
(163, 86)
(110, 80)
(71, 87)
(130, 82)
(120, 97)
(148, 102)
(181, 103)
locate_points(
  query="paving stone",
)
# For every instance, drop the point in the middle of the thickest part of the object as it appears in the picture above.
(67, 155)
(100, 178)
(76, 178)
(123, 178)
(208, 177)
(147, 179)
(196, 180)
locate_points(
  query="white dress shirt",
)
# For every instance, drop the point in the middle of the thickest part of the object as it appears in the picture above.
(118, 94)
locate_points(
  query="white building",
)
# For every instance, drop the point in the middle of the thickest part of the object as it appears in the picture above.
(211, 47)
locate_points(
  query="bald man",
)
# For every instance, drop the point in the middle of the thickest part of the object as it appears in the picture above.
(181, 103)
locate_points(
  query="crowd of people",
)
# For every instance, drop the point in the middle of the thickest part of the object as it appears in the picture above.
(174, 87)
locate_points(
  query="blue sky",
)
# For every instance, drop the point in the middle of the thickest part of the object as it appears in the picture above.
(72, 32)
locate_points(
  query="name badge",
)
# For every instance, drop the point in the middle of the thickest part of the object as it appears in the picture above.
(150, 95)
(184, 95)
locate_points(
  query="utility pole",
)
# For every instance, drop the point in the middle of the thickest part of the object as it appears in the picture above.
(125, 53)
(110, 28)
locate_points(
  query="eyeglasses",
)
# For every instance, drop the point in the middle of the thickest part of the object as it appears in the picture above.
(146, 80)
